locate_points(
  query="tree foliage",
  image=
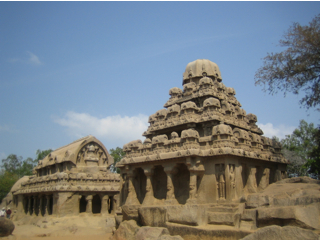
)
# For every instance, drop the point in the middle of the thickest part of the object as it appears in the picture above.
(298, 147)
(117, 155)
(7, 180)
(314, 162)
(14, 167)
(298, 67)
(42, 154)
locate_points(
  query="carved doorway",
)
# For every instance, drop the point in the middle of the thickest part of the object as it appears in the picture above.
(25, 204)
(50, 206)
(82, 204)
(140, 181)
(181, 181)
(96, 204)
(110, 204)
(159, 182)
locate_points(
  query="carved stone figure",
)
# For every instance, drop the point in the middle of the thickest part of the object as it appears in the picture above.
(221, 183)
(251, 185)
(232, 182)
(264, 182)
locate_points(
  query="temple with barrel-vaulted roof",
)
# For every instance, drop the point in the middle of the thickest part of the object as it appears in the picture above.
(73, 179)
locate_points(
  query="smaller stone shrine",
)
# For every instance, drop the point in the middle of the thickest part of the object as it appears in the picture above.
(73, 179)
(203, 154)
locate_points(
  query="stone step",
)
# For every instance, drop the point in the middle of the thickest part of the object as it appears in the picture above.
(223, 218)
(232, 205)
(222, 209)
(247, 225)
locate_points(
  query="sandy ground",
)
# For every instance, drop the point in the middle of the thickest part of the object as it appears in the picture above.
(72, 228)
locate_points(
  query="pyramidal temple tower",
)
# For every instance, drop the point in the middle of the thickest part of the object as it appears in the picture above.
(202, 150)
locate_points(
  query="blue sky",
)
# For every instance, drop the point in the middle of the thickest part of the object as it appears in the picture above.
(70, 69)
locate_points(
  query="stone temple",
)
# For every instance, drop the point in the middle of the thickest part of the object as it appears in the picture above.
(203, 154)
(73, 179)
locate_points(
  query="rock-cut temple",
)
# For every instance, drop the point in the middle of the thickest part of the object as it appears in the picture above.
(202, 155)
(73, 179)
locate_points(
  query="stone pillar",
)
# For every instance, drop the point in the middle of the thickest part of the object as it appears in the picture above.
(251, 185)
(20, 207)
(132, 195)
(47, 205)
(277, 176)
(34, 205)
(232, 183)
(192, 187)
(149, 198)
(238, 180)
(170, 199)
(89, 203)
(196, 169)
(29, 204)
(40, 204)
(105, 204)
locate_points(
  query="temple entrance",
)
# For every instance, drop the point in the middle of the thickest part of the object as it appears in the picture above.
(96, 204)
(31, 205)
(181, 181)
(25, 204)
(50, 206)
(37, 210)
(43, 206)
(140, 181)
(82, 204)
(110, 204)
(159, 182)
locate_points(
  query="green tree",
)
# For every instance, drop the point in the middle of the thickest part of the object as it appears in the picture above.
(42, 154)
(297, 148)
(7, 180)
(16, 165)
(117, 155)
(314, 162)
(298, 67)
(12, 164)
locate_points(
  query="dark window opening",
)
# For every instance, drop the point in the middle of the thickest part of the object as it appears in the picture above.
(83, 204)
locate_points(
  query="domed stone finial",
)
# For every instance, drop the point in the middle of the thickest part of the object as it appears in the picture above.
(201, 68)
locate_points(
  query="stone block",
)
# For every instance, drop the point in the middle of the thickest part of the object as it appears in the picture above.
(249, 214)
(217, 218)
(193, 215)
(302, 216)
(283, 233)
(150, 233)
(126, 231)
(256, 200)
(152, 216)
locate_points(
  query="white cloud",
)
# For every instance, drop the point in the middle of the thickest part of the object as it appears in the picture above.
(30, 59)
(113, 131)
(33, 59)
(280, 131)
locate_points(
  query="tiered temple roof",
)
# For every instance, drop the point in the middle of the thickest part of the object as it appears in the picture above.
(203, 119)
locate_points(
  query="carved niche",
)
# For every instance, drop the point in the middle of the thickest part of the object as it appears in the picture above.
(91, 155)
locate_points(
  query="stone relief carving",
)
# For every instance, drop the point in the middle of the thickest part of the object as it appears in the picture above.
(221, 183)
(232, 181)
